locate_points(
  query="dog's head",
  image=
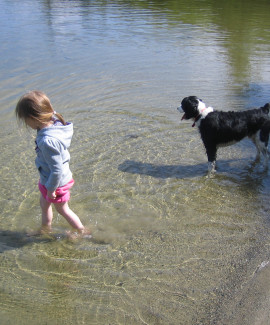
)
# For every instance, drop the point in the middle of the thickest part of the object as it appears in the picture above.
(192, 107)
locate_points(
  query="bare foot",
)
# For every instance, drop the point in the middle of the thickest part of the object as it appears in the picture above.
(44, 230)
(83, 233)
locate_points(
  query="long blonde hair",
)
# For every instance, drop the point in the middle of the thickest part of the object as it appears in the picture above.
(36, 105)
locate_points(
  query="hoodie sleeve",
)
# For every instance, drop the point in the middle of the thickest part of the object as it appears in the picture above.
(51, 150)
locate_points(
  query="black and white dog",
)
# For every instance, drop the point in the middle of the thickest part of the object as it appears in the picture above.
(219, 128)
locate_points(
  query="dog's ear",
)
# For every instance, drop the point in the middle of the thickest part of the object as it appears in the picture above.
(266, 108)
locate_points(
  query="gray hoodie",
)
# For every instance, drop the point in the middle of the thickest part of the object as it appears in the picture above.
(52, 155)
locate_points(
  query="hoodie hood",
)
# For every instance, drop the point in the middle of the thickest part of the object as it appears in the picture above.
(63, 133)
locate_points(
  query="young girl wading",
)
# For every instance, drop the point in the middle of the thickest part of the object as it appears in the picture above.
(52, 161)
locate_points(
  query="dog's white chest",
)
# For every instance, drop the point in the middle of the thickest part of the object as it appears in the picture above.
(203, 112)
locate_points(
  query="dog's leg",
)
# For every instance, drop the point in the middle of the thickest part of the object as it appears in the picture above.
(259, 146)
(264, 150)
(260, 139)
(211, 167)
(266, 157)
(263, 140)
(211, 152)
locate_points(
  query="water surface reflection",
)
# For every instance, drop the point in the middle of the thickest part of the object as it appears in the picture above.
(170, 246)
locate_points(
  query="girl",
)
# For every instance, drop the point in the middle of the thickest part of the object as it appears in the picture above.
(52, 161)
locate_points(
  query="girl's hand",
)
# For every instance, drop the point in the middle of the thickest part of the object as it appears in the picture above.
(51, 195)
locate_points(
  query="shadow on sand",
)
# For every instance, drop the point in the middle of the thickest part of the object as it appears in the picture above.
(14, 239)
(163, 171)
(234, 168)
(10, 240)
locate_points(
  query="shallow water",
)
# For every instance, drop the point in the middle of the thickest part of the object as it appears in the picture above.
(169, 245)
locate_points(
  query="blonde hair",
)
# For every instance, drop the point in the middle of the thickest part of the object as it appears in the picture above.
(36, 105)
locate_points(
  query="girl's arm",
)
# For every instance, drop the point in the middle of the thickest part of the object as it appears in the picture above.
(51, 150)
(51, 195)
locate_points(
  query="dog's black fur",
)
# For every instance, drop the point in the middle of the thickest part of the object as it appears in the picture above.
(219, 128)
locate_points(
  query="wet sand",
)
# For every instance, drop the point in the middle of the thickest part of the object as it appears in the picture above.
(252, 305)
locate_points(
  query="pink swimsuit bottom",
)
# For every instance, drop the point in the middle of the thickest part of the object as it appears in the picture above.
(62, 193)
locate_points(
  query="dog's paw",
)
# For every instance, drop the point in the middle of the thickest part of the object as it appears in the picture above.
(211, 167)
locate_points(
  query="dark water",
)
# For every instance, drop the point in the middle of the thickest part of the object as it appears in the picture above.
(169, 245)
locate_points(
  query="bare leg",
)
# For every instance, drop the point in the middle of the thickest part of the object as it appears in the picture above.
(69, 215)
(47, 214)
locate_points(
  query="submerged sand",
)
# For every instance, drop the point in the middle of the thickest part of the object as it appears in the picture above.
(252, 305)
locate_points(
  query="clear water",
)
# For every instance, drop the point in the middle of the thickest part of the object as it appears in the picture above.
(169, 245)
